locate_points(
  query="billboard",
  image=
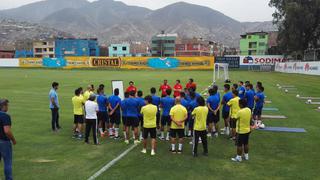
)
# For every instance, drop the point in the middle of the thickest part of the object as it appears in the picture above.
(105, 62)
(261, 60)
(311, 68)
(77, 62)
(233, 61)
(54, 62)
(9, 62)
(30, 62)
(179, 63)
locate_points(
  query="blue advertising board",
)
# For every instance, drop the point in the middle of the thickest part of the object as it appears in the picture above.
(54, 62)
(163, 63)
(233, 61)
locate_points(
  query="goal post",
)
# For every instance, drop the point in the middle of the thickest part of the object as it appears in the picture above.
(221, 71)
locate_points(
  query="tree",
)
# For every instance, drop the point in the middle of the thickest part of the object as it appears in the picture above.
(299, 24)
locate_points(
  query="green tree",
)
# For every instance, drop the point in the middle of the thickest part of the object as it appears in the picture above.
(299, 24)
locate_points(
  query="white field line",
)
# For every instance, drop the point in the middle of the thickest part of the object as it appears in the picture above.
(111, 163)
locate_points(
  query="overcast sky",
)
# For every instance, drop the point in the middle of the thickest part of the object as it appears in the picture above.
(241, 10)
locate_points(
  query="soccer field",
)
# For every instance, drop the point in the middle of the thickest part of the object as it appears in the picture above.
(42, 154)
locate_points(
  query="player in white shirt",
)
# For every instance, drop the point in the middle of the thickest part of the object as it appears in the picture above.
(91, 108)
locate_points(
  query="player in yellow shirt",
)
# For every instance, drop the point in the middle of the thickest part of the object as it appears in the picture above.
(200, 126)
(88, 92)
(179, 115)
(78, 112)
(234, 108)
(149, 113)
(243, 118)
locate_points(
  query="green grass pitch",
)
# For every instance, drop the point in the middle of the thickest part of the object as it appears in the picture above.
(273, 155)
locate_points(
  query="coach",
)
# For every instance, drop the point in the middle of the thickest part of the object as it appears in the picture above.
(54, 106)
(6, 137)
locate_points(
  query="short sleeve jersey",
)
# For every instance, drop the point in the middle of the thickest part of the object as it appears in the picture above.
(243, 117)
(149, 113)
(234, 106)
(178, 112)
(200, 122)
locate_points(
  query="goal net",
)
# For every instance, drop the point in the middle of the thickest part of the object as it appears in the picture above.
(221, 71)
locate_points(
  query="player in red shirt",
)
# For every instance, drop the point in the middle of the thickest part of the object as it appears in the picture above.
(163, 88)
(177, 89)
(131, 87)
(191, 84)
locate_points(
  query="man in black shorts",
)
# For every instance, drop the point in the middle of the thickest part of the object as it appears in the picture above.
(78, 112)
(213, 103)
(179, 115)
(149, 112)
(132, 117)
(243, 118)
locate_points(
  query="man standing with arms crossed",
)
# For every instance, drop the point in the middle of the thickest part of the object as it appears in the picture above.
(164, 87)
(179, 115)
(54, 106)
(6, 137)
(177, 89)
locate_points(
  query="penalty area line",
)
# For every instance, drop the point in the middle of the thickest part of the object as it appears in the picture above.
(111, 163)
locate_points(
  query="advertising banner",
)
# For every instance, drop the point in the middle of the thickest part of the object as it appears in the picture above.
(134, 63)
(233, 61)
(54, 62)
(30, 62)
(196, 63)
(311, 68)
(179, 63)
(9, 62)
(105, 62)
(261, 60)
(77, 62)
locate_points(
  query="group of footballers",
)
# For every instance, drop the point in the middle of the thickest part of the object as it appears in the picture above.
(171, 117)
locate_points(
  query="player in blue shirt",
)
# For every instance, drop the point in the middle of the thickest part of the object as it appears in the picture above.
(103, 117)
(166, 104)
(241, 89)
(249, 96)
(192, 105)
(54, 106)
(185, 103)
(114, 113)
(6, 138)
(142, 103)
(213, 103)
(124, 113)
(226, 109)
(156, 101)
(187, 92)
(132, 105)
(259, 99)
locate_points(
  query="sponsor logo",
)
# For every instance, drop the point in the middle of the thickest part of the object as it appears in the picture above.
(106, 62)
(248, 60)
(251, 60)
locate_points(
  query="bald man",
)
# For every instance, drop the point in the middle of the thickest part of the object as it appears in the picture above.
(179, 115)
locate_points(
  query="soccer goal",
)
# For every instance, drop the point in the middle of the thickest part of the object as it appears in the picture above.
(221, 71)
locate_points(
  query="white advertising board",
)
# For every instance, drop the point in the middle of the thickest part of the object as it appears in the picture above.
(311, 68)
(261, 60)
(9, 62)
(118, 84)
